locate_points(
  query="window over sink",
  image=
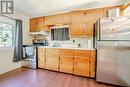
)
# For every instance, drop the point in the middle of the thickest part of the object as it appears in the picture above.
(60, 33)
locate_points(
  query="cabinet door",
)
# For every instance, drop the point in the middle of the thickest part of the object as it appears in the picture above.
(82, 66)
(41, 57)
(49, 20)
(92, 64)
(52, 63)
(66, 64)
(33, 25)
(41, 60)
(57, 19)
(91, 17)
(62, 18)
(52, 59)
(77, 24)
(41, 24)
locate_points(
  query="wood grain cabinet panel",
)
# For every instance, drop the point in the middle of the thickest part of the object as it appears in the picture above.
(82, 53)
(77, 27)
(93, 64)
(57, 19)
(52, 59)
(33, 25)
(84, 63)
(66, 64)
(66, 60)
(82, 66)
(91, 17)
(37, 24)
(41, 24)
(41, 58)
(66, 52)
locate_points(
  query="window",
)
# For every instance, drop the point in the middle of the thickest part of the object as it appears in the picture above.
(60, 34)
(6, 34)
(7, 31)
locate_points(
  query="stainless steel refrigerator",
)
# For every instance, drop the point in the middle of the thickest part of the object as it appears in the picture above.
(113, 51)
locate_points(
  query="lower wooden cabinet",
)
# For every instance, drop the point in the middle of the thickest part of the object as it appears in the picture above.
(66, 64)
(52, 59)
(82, 66)
(52, 63)
(78, 62)
(41, 58)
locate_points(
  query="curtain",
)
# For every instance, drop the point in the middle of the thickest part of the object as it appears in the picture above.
(60, 34)
(18, 45)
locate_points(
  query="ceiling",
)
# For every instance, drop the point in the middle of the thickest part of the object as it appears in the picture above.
(34, 8)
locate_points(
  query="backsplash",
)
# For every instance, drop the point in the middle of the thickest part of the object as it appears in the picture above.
(84, 42)
(74, 42)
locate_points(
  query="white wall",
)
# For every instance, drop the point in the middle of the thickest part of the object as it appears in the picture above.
(6, 60)
(27, 39)
(6, 53)
(127, 11)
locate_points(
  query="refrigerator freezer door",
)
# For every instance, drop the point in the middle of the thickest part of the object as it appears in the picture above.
(113, 63)
(117, 28)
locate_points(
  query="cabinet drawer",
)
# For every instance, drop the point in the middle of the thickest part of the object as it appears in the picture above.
(41, 50)
(82, 53)
(52, 52)
(65, 52)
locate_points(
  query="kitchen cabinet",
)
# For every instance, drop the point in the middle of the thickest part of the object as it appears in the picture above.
(52, 59)
(77, 24)
(41, 58)
(66, 61)
(41, 23)
(82, 66)
(66, 64)
(84, 63)
(37, 24)
(91, 17)
(78, 62)
(57, 19)
(33, 25)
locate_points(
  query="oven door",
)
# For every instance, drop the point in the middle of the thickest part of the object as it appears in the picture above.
(30, 54)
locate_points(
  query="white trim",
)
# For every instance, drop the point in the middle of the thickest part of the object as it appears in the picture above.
(63, 26)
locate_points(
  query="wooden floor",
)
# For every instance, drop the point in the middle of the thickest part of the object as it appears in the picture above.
(24, 77)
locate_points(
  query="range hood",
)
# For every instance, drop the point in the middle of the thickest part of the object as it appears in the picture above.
(39, 33)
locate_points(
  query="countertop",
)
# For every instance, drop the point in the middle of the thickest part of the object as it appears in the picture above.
(67, 48)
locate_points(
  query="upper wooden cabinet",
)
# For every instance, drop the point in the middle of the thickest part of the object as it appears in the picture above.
(77, 24)
(57, 19)
(91, 17)
(41, 23)
(33, 25)
(37, 24)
